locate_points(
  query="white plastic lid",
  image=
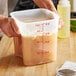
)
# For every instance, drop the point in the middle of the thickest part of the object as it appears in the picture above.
(64, 2)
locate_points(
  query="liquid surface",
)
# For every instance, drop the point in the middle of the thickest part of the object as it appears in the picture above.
(35, 19)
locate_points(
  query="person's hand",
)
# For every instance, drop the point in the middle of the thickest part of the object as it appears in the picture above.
(8, 26)
(48, 4)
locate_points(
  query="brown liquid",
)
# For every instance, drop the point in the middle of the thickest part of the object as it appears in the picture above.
(40, 49)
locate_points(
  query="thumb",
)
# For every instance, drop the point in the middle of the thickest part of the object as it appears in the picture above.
(14, 26)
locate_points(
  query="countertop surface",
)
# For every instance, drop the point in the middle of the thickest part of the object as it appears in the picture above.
(13, 66)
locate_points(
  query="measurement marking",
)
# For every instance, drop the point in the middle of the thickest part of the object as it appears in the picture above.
(43, 52)
(37, 25)
(48, 23)
(47, 33)
(42, 38)
(43, 42)
(39, 30)
(47, 41)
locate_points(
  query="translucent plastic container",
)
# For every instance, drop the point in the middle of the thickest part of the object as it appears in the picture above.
(38, 41)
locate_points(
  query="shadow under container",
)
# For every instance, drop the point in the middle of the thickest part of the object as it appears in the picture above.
(38, 41)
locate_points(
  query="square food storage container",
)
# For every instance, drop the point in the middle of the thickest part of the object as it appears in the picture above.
(38, 41)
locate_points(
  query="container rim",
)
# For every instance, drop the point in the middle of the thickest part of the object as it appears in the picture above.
(40, 9)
